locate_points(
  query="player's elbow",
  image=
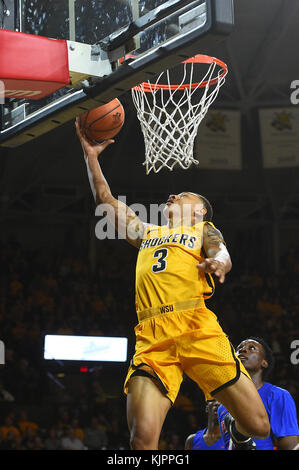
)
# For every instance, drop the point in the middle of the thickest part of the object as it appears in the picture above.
(104, 196)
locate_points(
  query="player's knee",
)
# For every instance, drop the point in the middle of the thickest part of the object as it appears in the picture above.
(142, 438)
(259, 426)
(264, 427)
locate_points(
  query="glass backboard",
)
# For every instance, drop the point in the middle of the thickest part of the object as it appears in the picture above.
(159, 33)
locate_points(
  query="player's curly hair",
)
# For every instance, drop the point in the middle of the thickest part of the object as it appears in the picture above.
(269, 356)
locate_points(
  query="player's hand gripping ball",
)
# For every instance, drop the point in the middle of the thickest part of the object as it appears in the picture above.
(102, 123)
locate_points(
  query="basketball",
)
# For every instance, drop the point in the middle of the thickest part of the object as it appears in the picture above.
(103, 122)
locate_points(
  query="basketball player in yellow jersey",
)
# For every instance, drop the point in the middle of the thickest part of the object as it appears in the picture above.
(176, 333)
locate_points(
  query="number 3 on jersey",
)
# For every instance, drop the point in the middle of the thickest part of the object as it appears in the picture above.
(161, 261)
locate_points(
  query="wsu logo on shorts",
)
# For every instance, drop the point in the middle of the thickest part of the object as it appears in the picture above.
(166, 308)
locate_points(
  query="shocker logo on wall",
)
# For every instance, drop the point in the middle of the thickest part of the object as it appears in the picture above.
(217, 122)
(282, 121)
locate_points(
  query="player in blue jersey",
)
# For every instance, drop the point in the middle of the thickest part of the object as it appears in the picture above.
(208, 438)
(257, 358)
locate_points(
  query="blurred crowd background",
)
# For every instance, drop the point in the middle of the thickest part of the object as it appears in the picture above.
(62, 406)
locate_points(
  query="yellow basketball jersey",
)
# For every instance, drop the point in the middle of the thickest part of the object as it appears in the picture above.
(166, 269)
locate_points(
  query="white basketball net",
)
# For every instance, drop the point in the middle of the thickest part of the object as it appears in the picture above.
(170, 117)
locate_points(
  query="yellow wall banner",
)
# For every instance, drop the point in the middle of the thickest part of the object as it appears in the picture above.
(218, 143)
(280, 137)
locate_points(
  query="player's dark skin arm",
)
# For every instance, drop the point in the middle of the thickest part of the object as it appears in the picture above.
(287, 443)
(218, 260)
(122, 217)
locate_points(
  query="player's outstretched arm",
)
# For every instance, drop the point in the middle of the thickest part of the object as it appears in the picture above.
(218, 260)
(122, 217)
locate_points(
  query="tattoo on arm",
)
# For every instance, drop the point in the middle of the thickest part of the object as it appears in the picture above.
(213, 235)
(212, 241)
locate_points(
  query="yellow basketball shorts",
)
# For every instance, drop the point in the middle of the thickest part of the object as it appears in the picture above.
(184, 337)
